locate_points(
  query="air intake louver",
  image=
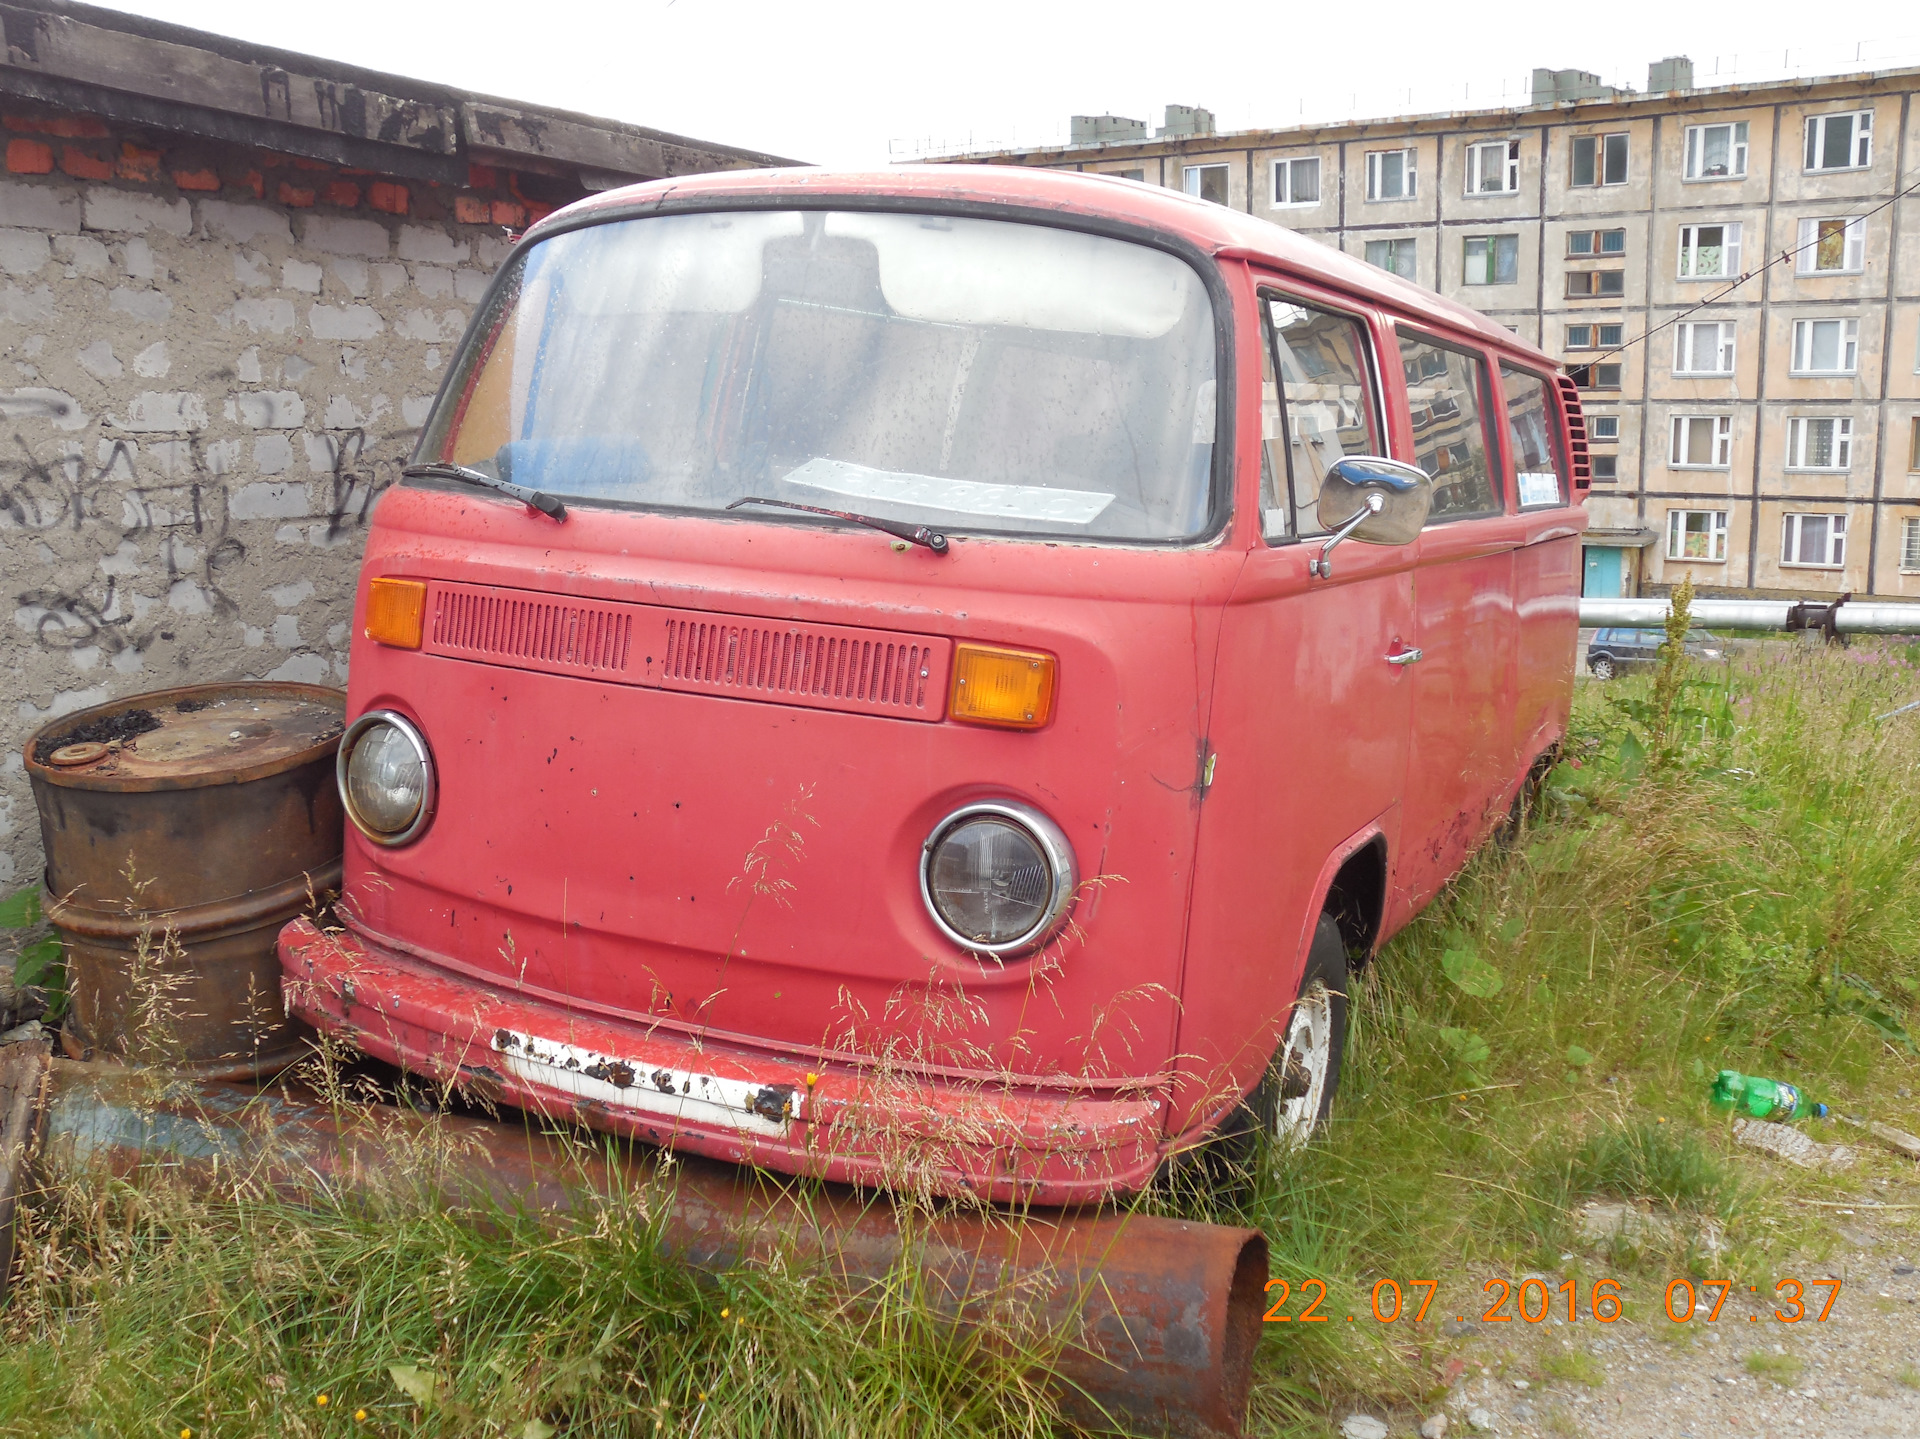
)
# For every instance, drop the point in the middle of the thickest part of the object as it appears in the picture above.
(1577, 433)
(814, 666)
(506, 626)
(796, 664)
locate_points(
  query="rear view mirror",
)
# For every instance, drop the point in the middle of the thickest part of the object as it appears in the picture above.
(1370, 498)
(1406, 496)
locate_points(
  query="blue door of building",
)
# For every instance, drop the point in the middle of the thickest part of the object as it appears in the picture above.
(1602, 577)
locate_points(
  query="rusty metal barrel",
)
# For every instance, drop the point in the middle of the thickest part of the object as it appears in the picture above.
(183, 828)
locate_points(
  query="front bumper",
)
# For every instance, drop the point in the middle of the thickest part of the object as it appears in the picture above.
(994, 1138)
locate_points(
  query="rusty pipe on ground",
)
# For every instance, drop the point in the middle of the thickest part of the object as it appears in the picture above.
(1163, 1315)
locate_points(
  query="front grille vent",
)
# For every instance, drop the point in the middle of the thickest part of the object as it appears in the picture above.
(832, 667)
(790, 663)
(554, 633)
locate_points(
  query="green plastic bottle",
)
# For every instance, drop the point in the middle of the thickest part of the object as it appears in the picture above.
(1763, 1098)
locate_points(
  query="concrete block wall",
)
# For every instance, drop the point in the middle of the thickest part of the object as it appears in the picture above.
(212, 363)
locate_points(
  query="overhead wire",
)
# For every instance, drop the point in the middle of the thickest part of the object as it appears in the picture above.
(1782, 258)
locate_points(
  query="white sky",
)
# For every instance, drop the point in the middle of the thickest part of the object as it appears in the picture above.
(853, 82)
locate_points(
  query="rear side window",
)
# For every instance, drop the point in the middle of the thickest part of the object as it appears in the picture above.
(1321, 409)
(1446, 395)
(1533, 435)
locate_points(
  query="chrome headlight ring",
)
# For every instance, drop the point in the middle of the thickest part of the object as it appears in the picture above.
(429, 787)
(1054, 849)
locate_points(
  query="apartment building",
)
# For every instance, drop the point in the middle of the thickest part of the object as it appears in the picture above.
(1761, 434)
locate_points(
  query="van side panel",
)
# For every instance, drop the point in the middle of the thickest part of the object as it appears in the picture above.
(1309, 741)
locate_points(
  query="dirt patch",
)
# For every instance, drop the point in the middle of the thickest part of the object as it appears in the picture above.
(1855, 1375)
(110, 729)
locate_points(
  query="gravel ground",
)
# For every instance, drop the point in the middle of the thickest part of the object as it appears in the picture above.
(1855, 1376)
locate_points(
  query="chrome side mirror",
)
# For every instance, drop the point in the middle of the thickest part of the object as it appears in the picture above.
(1370, 498)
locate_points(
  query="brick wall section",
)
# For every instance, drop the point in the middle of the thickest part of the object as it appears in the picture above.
(212, 361)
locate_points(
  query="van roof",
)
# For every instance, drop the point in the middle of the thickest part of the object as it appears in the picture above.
(1224, 233)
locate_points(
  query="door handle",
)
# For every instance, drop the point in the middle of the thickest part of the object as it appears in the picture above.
(1406, 657)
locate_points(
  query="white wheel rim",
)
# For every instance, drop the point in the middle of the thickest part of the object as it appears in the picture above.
(1308, 1047)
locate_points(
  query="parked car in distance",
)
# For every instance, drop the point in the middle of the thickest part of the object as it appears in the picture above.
(1613, 652)
(1223, 600)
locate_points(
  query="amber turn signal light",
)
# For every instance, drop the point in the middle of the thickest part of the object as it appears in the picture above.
(396, 612)
(1012, 688)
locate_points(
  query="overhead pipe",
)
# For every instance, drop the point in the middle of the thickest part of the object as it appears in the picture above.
(1160, 1317)
(1843, 615)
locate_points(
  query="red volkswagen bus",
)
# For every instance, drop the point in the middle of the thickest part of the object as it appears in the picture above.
(932, 678)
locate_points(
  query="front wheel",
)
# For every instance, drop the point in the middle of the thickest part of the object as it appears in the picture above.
(1296, 1095)
(1602, 667)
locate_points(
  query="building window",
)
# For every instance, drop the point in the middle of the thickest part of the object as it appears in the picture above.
(1833, 247)
(1913, 447)
(1819, 442)
(1717, 152)
(1703, 348)
(1840, 142)
(1697, 535)
(1709, 252)
(1493, 259)
(1819, 540)
(1209, 182)
(1393, 256)
(1702, 442)
(1603, 427)
(1596, 242)
(1909, 545)
(1600, 159)
(1584, 283)
(1603, 469)
(1493, 167)
(1826, 347)
(1390, 174)
(1296, 182)
(1596, 377)
(1594, 337)
(1140, 175)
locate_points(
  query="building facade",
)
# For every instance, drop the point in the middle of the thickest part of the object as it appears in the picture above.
(1762, 434)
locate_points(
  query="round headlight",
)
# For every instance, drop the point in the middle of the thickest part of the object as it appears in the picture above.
(997, 877)
(386, 778)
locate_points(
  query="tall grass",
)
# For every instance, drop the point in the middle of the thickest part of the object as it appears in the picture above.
(1722, 873)
(153, 1312)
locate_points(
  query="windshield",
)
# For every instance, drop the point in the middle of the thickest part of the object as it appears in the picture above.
(968, 374)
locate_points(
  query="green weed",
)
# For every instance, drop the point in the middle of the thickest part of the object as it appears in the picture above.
(1782, 1369)
(1576, 1366)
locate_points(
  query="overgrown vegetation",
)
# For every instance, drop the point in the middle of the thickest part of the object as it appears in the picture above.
(1723, 872)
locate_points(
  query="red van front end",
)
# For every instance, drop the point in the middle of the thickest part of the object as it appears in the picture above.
(866, 676)
(693, 777)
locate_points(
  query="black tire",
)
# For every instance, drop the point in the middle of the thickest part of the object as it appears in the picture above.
(1238, 1145)
(1601, 666)
(1327, 972)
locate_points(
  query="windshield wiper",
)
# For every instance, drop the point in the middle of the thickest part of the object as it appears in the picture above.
(537, 499)
(912, 534)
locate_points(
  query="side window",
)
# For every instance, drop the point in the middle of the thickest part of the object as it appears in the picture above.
(1324, 408)
(1446, 392)
(1533, 432)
